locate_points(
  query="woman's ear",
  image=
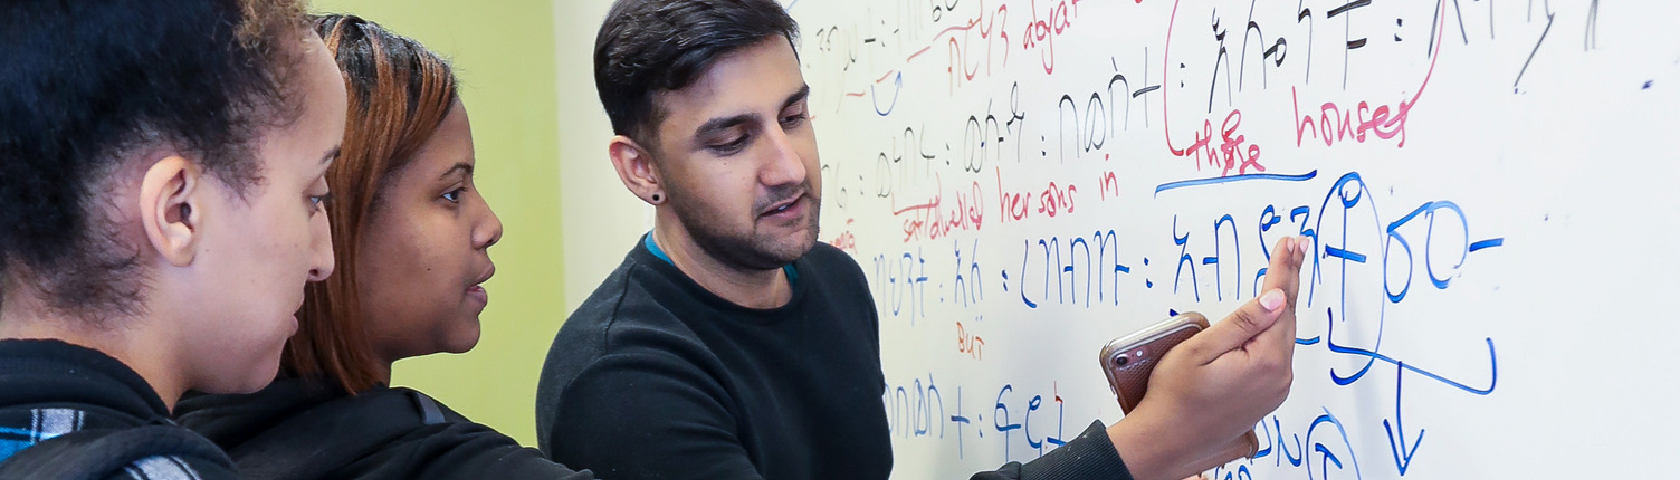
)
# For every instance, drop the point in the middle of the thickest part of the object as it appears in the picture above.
(169, 208)
(635, 168)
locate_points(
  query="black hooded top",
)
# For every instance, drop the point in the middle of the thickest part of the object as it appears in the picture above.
(298, 430)
(96, 417)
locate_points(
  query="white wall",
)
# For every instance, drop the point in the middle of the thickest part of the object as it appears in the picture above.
(600, 219)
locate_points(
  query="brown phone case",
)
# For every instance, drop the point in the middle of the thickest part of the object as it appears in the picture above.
(1128, 361)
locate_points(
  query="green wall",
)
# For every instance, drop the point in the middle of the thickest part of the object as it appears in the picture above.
(505, 55)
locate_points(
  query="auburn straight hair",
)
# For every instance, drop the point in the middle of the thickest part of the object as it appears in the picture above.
(398, 93)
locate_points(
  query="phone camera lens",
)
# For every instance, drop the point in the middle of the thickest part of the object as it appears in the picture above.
(1121, 361)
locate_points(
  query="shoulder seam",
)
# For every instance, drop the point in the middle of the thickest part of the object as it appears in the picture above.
(612, 319)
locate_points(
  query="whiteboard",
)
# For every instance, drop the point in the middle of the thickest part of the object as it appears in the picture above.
(1490, 184)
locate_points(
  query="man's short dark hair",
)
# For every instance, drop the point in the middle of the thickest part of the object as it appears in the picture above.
(88, 83)
(650, 46)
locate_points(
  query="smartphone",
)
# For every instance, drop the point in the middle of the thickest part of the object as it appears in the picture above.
(1130, 359)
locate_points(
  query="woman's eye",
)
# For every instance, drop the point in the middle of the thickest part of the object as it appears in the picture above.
(319, 202)
(454, 196)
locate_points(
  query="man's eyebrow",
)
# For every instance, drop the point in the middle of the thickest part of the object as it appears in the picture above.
(722, 123)
(803, 93)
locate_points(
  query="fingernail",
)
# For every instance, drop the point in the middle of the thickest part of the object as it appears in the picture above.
(1301, 244)
(1272, 299)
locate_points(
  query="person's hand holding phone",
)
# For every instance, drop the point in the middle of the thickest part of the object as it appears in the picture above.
(1206, 394)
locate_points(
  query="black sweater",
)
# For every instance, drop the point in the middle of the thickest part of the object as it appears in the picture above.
(656, 377)
(299, 430)
(50, 389)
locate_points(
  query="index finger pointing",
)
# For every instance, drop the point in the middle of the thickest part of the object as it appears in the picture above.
(1284, 273)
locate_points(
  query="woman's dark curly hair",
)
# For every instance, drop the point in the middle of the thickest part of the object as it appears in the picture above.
(87, 86)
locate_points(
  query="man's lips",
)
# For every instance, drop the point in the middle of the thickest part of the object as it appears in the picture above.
(782, 206)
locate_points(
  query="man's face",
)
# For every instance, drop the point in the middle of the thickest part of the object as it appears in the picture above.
(738, 159)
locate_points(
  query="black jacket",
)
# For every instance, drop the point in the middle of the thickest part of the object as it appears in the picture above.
(299, 430)
(656, 377)
(69, 412)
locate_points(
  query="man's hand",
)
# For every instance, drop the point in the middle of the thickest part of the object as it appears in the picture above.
(1207, 393)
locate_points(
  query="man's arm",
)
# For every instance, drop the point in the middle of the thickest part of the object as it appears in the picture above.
(1088, 456)
(648, 415)
(1204, 396)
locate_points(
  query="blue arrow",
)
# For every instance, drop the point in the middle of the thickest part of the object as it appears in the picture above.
(1397, 432)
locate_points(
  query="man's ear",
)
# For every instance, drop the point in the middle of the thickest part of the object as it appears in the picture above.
(635, 168)
(170, 193)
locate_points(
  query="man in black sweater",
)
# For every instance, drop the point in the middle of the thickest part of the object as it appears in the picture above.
(161, 168)
(731, 344)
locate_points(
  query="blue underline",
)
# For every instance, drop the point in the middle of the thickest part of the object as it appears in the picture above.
(1236, 178)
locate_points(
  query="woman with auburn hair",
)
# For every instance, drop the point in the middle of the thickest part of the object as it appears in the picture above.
(411, 237)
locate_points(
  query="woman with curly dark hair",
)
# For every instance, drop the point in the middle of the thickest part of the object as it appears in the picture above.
(161, 180)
